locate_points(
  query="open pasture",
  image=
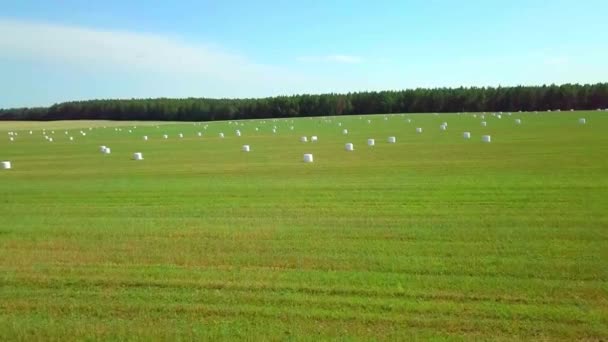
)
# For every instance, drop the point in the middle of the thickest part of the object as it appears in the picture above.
(434, 235)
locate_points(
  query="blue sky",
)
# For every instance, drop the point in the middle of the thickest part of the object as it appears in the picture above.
(61, 50)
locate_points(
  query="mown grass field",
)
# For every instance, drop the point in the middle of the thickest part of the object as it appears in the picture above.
(432, 237)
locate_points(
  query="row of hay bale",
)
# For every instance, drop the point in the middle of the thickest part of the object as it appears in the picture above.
(308, 157)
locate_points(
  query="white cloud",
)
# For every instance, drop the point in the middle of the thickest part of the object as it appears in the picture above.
(346, 59)
(96, 49)
(557, 61)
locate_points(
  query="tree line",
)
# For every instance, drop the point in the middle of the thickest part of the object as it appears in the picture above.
(421, 100)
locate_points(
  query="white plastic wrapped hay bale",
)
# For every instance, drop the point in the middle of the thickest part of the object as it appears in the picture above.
(371, 142)
(71, 138)
(486, 138)
(339, 124)
(443, 127)
(221, 135)
(308, 158)
(466, 135)
(274, 130)
(138, 156)
(145, 138)
(6, 165)
(484, 124)
(107, 150)
(102, 148)
(419, 130)
(518, 121)
(349, 147)
(165, 136)
(499, 116)
(345, 131)
(369, 121)
(314, 138)
(245, 148)
(392, 140)
(582, 121)
(199, 134)
(11, 139)
(303, 139)
(50, 139)
(238, 133)
(181, 135)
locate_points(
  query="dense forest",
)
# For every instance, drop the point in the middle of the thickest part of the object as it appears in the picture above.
(524, 98)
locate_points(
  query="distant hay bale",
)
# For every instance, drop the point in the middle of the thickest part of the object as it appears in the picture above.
(304, 139)
(245, 148)
(392, 140)
(314, 138)
(345, 131)
(419, 130)
(145, 138)
(221, 135)
(138, 156)
(466, 135)
(371, 142)
(486, 138)
(349, 147)
(582, 121)
(308, 158)
(484, 124)
(6, 165)
(518, 121)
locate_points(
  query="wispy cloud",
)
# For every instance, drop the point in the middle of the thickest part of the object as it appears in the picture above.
(345, 59)
(557, 61)
(121, 50)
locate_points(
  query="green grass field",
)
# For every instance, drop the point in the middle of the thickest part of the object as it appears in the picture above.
(432, 237)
